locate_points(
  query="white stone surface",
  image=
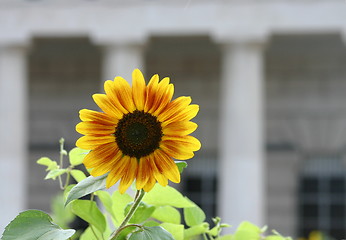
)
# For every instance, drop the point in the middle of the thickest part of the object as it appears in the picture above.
(242, 166)
(13, 132)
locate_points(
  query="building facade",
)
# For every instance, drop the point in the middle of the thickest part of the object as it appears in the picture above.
(269, 77)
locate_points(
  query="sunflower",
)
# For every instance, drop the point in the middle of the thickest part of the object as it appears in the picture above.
(139, 133)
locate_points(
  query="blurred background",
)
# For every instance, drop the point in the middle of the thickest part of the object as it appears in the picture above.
(269, 76)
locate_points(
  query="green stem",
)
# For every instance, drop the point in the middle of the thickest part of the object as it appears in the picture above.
(137, 201)
(61, 141)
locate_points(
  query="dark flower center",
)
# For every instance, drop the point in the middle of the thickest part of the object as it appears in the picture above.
(138, 134)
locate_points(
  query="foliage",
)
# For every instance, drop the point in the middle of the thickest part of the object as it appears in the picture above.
(163, 213)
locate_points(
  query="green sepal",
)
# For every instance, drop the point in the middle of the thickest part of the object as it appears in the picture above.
(181, 165)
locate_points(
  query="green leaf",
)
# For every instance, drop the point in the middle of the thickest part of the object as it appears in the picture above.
(143, 212)
(89, 212)
(275, 237)
(34, 224)
(194, 216)
(247, 231)
(151, 223)
(151, 233)
(94, 234)
(196, 230)
(177, 230)
(181, 165)
(167, 214)
(120, 201)
(89, 185)
(106, 200)
(45, 161)
(123, 234)
(55, 173)
(161, 196)
(78, 175)
(225, 237)
(61, 215)
(77, 155)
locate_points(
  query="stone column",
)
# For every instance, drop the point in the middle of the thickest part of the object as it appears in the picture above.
(120, 59)
(242, 165)
(13, 132)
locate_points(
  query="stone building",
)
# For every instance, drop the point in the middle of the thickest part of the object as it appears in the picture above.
(269, 76)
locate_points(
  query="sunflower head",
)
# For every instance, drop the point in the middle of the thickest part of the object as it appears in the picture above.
(139, 133)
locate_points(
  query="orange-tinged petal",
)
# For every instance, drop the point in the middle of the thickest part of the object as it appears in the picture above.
(179, 128)
(110, 89)
(184, 115)
(112, 178)
(167, 166)
(124, 93)
(117, 172)
(150, 184)
(176, 151)
(102, 118)
(159, 94)
(143, 173)
(188, 142)
(106, 165)
(92, 128)
(129, 175)
(161, 179)
(91, 142)
(100, 155)
(151, 92)
(107, 106)
(167, 97)
(174, 107)
(138, 89)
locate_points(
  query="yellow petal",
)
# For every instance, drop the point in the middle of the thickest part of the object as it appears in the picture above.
(92, 128)
(150, 184)
(105, 104)
(138, 89)
(161, 179)
(159, 95)
(143, 173)
(116, 173)
(124, 93)
(174, 107)
(107, 165)
(100, 155)
(129, 175)
(167, 97)
(150, 92)
(184, 115)
(167, 166)
(102, 118)
(179, 128)
(188, 142)
(110, 89)
(176, 151)
(91, 142)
